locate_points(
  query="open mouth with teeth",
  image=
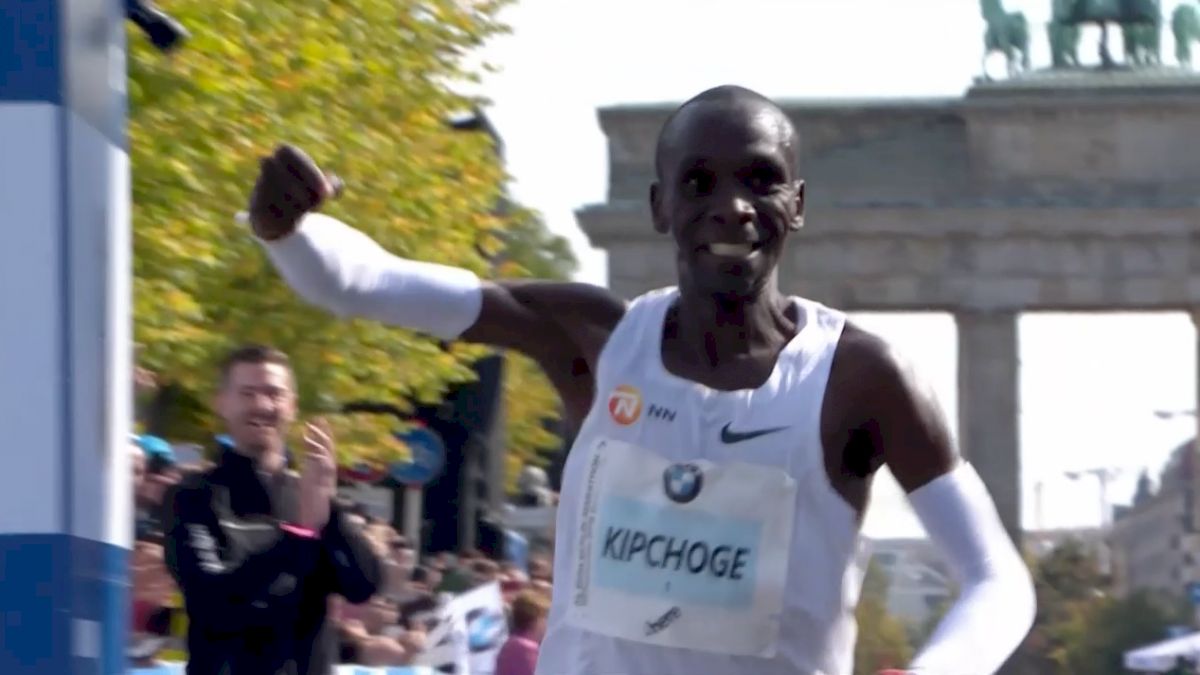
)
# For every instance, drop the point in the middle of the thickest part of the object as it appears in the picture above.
(261, 424)
(727, 250)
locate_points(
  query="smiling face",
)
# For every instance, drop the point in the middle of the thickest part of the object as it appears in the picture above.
(258, 404)
(728, 193)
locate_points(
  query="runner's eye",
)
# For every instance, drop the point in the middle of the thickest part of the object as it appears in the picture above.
(697, 182)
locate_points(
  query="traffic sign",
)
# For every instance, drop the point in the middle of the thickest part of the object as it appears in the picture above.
(428, 457)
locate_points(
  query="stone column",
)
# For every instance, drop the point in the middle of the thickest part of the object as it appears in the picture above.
(989, 408)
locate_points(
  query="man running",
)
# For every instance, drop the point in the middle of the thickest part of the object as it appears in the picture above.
(711, 505)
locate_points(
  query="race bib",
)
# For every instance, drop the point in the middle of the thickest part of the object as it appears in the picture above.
(691, 555)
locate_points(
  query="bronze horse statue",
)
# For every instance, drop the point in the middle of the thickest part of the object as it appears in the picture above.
(1143, 41)
(1008, 33)
(1064, 37)
(1140, 22)
(1185, 24)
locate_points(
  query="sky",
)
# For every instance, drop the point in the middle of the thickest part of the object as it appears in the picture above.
(1090, 384)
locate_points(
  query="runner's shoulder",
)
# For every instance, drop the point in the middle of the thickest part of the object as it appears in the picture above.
(868, 371)
(569, 302)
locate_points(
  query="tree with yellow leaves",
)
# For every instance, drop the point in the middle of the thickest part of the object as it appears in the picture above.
(365, 87)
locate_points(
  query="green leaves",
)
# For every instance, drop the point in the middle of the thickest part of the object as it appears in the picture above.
(1081, 626)
(361, 86)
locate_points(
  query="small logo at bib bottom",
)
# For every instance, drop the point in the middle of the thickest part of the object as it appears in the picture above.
(660, 624)
(682, 482)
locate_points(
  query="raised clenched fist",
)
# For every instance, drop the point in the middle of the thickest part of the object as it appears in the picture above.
(289, 185)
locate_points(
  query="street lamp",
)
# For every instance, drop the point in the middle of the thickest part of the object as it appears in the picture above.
(1103, 475)
(1173, 414)
(1192, 505)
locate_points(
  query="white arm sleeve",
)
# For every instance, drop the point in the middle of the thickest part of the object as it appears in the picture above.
(996, 605)
(334, 266)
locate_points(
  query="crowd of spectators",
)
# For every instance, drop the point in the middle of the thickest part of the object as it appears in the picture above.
(388, 630)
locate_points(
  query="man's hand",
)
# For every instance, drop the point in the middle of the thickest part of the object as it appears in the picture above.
(318, 478)
(289, 185)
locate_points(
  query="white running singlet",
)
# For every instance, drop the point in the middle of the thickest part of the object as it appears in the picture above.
(697, 530)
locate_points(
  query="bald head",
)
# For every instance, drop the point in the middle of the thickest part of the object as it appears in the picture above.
(728, 101)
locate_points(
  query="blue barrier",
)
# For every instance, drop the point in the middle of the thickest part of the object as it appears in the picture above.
(178, 669)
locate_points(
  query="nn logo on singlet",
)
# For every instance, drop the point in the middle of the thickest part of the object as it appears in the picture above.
(625, 405)
(660, 413)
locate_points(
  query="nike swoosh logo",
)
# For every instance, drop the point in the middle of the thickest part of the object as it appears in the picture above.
(729, 436)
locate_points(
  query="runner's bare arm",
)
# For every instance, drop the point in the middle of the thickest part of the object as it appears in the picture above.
(561, 325)
(908, 432)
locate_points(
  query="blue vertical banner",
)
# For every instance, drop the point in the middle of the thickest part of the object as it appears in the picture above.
(65, 371)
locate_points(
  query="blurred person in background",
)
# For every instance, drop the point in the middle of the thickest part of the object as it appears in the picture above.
(425, 579)
(484, 571)
(418, 613)
(153, 603)
(404, 557)
(519, 654)
(137, 466)
(513, 582)
(510, 572)
(541, 586)
(404, 553)
(533, 488)
(459, 576)
(540, 569)
(256, 548)
(157, 620)
(444, 562)
(160, 473)
(375, 636)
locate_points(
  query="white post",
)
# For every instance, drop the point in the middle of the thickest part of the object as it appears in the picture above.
(1105, 510)
(65, 372)
(1037, 505)
(413, 505)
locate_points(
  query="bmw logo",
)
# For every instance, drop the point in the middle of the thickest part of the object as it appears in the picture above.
(682, 482)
